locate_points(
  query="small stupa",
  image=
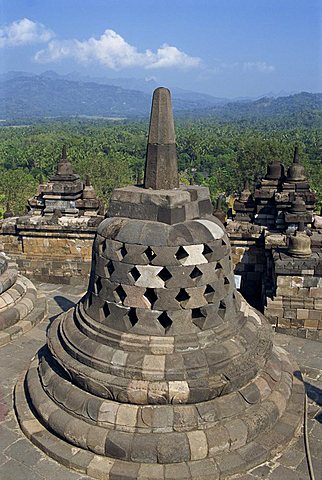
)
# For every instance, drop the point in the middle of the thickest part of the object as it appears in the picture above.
(162, 370)
(67, 192)
(21, 307)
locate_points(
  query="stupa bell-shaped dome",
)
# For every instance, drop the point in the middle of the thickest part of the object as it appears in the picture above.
(296, 171)
(245, 195)
(275, 170)
(298, 206)
(300, 243)
(64, 169)
(162, 357)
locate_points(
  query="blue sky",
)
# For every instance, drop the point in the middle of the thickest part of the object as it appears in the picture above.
(222, 47)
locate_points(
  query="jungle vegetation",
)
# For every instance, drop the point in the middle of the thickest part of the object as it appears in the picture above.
(218, 154)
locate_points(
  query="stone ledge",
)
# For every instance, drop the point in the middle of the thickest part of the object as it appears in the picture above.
(104, 468)
(37, 315)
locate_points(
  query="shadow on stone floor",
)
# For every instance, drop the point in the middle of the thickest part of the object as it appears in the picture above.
(64, 303)
(313, 393)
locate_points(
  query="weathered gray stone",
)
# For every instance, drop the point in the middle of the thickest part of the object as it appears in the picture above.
(161, 171)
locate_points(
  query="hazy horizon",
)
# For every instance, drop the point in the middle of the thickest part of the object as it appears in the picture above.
(232, 49)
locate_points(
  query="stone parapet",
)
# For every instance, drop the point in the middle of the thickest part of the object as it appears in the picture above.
(295, 306)
(58, 252)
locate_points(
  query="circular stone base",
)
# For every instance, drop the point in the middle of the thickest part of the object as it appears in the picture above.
(223, 466)
(37, 315)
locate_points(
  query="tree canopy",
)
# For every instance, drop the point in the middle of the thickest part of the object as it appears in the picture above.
(217, 154)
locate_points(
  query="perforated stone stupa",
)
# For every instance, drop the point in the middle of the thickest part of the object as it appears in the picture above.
(162, 370)
(20, 306)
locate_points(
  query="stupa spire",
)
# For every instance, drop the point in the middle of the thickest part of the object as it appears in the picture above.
(64, 167)
(64, 152)
(161, 166)
(296, 158)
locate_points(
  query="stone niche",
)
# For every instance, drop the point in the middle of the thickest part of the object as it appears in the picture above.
(53, 241)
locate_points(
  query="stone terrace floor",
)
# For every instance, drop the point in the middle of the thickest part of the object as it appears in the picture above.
(20, 460)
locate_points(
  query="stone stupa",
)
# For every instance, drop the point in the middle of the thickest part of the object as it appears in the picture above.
(21, 307)
(162, 370)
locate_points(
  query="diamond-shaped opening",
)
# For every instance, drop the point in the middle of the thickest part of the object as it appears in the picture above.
(182, 295)
(207, 251)
(218, 266)
(226, 281)
(106, 310)
(223, 243)
(165, 321)
(149, 253)
(222, 308)
(209, 293)
(122, 251)
(103, 246)
(98, 286)
(181, 253)
(164, 274)
(150, 295)
(198, 317)
(134, 272)
(133, 316)
(196, 273)
(110, 267)
(120, 293)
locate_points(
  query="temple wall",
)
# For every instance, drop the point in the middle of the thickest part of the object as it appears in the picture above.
(295, 307)
(48, 258)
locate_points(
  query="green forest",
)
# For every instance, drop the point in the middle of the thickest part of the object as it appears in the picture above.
(218, 154)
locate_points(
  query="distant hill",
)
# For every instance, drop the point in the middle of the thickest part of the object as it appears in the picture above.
(268, 107)
(50, 95)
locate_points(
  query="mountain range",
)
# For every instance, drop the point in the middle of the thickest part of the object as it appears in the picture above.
(28, 96)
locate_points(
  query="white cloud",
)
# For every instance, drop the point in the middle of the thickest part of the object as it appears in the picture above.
(114, 52)
(259, 66)
(24, 32)
(168, 56)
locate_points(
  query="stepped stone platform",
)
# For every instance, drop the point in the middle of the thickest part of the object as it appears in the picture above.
(20, 459)
(162, 370)
(21, 307)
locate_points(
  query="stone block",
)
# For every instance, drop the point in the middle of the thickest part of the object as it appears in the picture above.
(302, 314)
(205, 469)
(144, 448)
(151, 472)
(153, 367)
(173, 448)
(310, 323)
(171, 216)
(149, 277)
(218, 439)
(198, 444)
(315, 292)
(118, 445)
(124, 471)
(100, 467)
(178, 391)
